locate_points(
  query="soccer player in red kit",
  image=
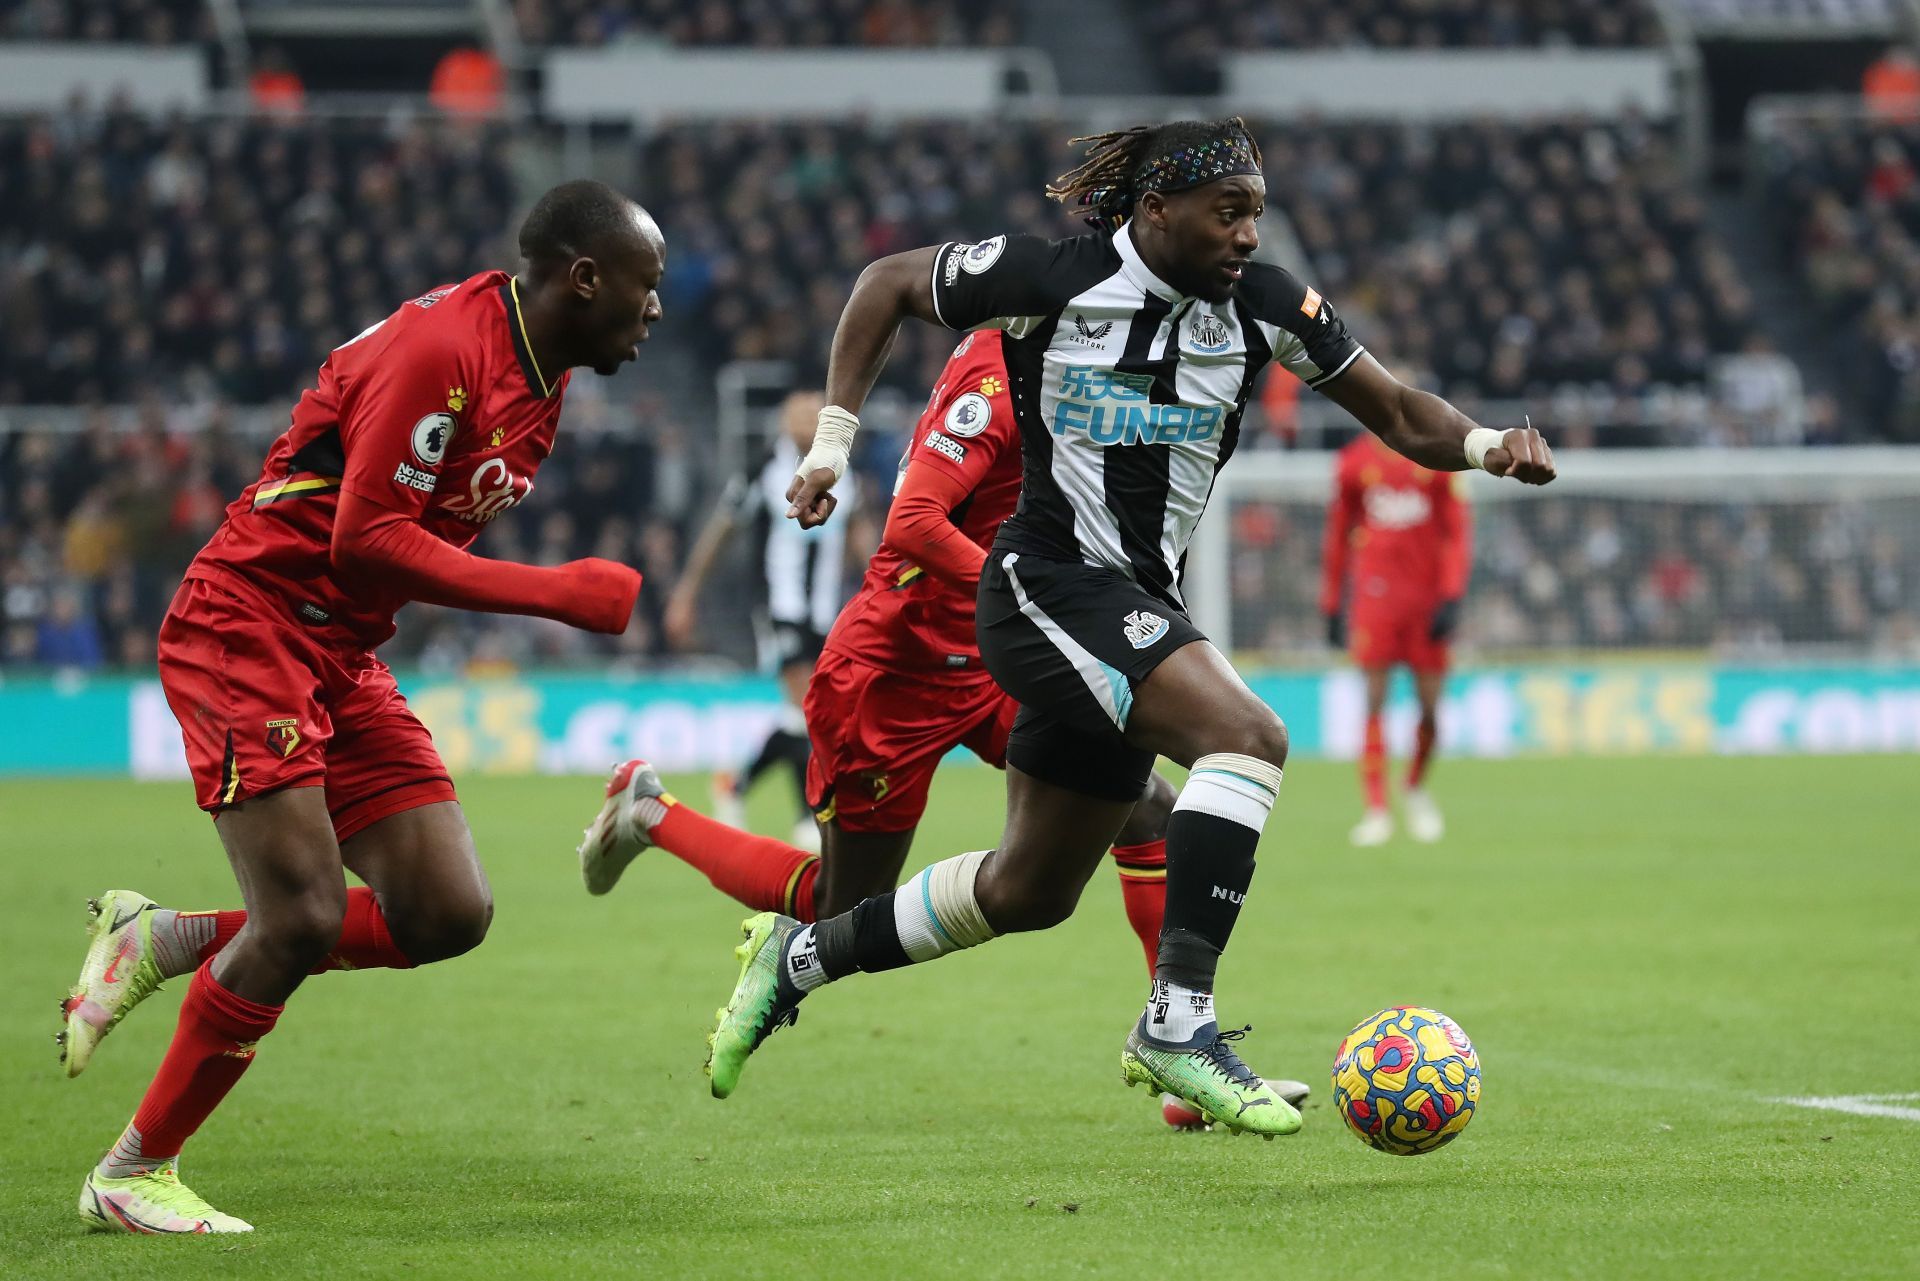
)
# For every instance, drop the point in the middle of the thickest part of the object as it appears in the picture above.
(898, 686)
(1397, 551)
(418, 433)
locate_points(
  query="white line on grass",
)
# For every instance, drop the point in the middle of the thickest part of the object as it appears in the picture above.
(1858, 1104)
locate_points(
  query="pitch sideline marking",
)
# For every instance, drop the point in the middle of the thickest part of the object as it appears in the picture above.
(1858, 1104)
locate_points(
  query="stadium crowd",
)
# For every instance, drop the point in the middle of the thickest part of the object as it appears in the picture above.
(1811, 14)
(224, 259)
(1506, 259)
(1491, 260)
(769, 23)
(150, 22)
(184, 266)
(97, 525)
(1844, 194)
(765, 257)
(1188, 37)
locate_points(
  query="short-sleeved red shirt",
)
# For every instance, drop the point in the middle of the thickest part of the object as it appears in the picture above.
(439, 412)
(1397, 529)
(905, 619)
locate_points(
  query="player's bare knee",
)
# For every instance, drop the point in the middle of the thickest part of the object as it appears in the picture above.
(298, 930)
(447, 928)
(1259, 733)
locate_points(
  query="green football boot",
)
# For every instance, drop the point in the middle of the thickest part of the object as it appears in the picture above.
(118, 973)
(1206, 1072)
(153, 1201)
(762, 1001)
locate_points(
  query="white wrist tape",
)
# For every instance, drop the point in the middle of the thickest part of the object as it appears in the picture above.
(832, 442)
(1478, 442)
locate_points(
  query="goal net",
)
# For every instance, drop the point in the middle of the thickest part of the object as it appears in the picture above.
(1730, 555)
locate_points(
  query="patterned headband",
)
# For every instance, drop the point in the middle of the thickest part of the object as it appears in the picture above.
(1184, 167)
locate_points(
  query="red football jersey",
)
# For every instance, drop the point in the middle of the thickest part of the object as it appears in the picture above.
(904, 619)
(439, 412)
(1401, 529)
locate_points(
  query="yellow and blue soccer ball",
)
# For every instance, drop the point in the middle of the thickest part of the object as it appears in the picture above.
(1406, 1080)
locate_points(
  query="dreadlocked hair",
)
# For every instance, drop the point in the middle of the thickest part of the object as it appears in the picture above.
(1108, 182)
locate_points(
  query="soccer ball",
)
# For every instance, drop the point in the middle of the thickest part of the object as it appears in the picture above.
(1406, 1080)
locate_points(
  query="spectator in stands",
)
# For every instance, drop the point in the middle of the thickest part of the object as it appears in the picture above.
(146, 22)
(222, 259)
(276, 88)
(1188, 35)
(468, 82)
(1890, 85)
(68, 636)
(767, 24)
(1845, 200)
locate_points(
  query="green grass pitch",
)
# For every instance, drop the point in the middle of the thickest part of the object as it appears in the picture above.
(1645, 952)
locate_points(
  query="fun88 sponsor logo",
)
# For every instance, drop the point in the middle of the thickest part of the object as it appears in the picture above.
(1112, 408)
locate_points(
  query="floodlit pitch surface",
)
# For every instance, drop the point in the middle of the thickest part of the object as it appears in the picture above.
(1650, 955)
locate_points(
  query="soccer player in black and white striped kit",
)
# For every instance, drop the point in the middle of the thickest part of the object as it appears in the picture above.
(805, 571)
(1133, 352)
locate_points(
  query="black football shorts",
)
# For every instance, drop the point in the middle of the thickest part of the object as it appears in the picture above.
(1071, 642)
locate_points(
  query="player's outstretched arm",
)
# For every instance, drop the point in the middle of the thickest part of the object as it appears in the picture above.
(682, 612)
(888, 291)
(379, 547)
(1432, 432)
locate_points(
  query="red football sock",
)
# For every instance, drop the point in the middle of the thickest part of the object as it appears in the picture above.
(1373, 764)
(1143, 888)
(1423, 740)
(759, 871)
(212, 1045)
(364, 942)
(225, 926)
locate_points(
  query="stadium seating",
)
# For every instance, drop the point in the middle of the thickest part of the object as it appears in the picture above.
(1505, 259)
(1188, 36)
(225, 258)
(1497, 260)
(1221, 25)
(1813, 14)
(769, 23)
(764, 258)
(152, 22)
(1844, 194)
(97, 525)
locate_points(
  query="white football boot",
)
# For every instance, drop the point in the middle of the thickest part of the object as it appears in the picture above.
(1424, 823)
(615, 837)
(1375, 828)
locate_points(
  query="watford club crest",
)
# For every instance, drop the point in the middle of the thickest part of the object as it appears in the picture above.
(283, 736)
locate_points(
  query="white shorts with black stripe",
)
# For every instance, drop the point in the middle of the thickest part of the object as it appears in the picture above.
(1071, 642)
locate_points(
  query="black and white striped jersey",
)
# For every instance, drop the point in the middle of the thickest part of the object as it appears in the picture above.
(1128, 393)
(805, 568)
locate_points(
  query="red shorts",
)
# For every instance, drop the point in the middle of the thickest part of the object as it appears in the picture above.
(265, 704)
(1386, 632)
(878, 737)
